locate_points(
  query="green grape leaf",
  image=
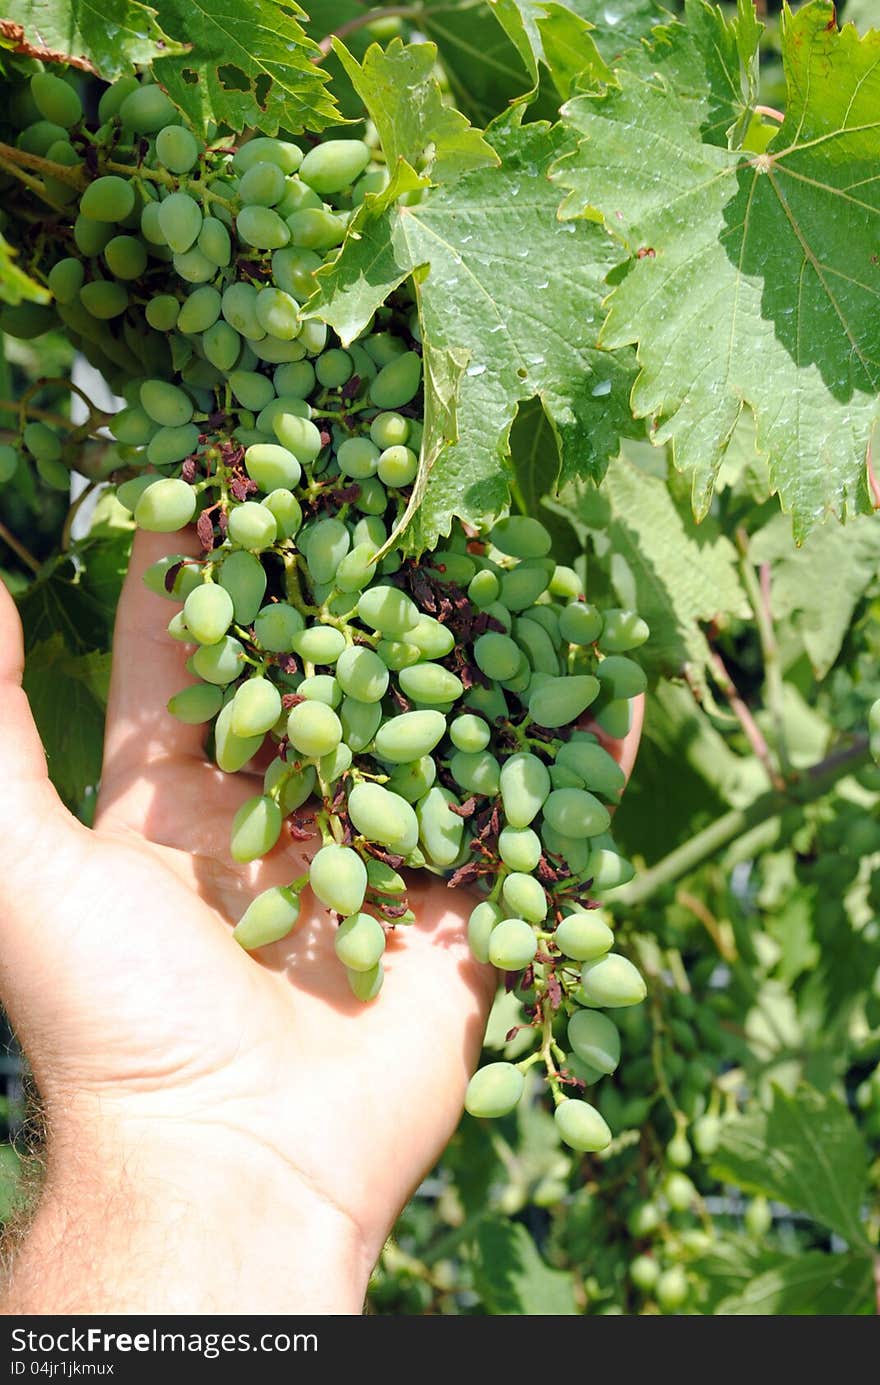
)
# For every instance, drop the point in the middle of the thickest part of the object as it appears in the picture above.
(110, 37)
(534, 457)
(753, 276)
(816, 589)
(805, 1151)
(512, 1278)
(250, 65)
(15, 284)
(556, 35)
(68, 690)
(466, 245)
(810, 1282)
(484, 70)
(678, 579)
(400, 90)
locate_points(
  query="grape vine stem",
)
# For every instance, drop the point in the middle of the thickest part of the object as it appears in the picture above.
(803, 787)
(752, 730)
(758, 592)
(368, 17)
(18, 548)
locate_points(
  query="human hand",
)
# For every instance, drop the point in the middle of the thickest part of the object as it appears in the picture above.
(286, 1122)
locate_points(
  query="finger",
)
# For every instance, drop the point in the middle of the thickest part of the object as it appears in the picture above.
(148, 668)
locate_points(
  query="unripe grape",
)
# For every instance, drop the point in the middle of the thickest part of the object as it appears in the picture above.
(644, 1272)
(167, 505)
(296, 379)
(299, 435)
(42, 442)
(55, 99)
(758, 1218)
(359, 942)
(672, 1289)
(169, 445)
(200, 309)
(512, 945)
(104, 298)
(293, 270)
(334, 164)
(679, 1190)
(214, 242)
(607, 869)
(360, 722)
(166, 404)
(388, 610)
(494, 1090)
(356, 570)
(412, 780)
(366, 985)
(66, 279)
(595, 1039)
(221, 344)
(580, 624)
(525, 784)
(524, 897)
(519, 848)
(521, 537)
(196, 704)
(146, 110)
(576, 813)
(565, 583)
(193, 266)
(268, 919)
(262, 228)
(231, 752)
(615, 718)
(267, 149)
(276, 627)
(262, 185)
(621, 678)
(180, 218)
(107, 199)
(362, 674)
(286, 510)
(707, 1135)
(272, 466)
(338, 877)
(315, 229)
(255, 708)
(321, 687)
(581, 1126)
(584, 936)
(252, 526)
(319, 644)
(313, 728)
(219, 663)
(598, 770)
(482, 922)
(177, 148)
(333, 368)
(440, 830)
(8, 462)
(358, 458)
(430, 683)
(398, 382)
(560, 701)
(384, 817)
(476, 773)
(208, 612)
(497, 656)
(612, 981)
(256, 828)
(621, 631)
(278, 313)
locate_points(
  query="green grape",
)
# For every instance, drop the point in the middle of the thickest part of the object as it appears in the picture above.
(200, 309)
(39, 137)
(255, 708)
(333, 368)
(276, 407)
(193, 266)
(299, 435)
(266, 149)
(356, 569)
(581, 1126)
(476, 773)
(433, 639)
(252, 526)
(679, 1191)
(66, 279)
(388, 610)
(512, 945)
(278, 313)
(373, 498)
(314, 728)
(430, 683)
(198, 703)
(293, 270)
(584, 936)
(612, 981)
(151, 229)
(359, 942)
(42, 442)
(758, 1217)
(147, 110)
(595, 1039)
(262, 228)
(165, 506)
(130, 492)
(104, 299)
(334, 765)
(481, 923)
(384, 879)
(565, 583)
(239, 307)
(360, 721)
(398, 467)
(469, 733)
(707, 1135)
(272, 466)
(262, 185)
(521, 587)
(361, 674)
(325, 546)
(454, 567)
(621, 678)
(208, 612)
(672, 1289)
(383, 816)
(580, 624)
(107, 199)
(113, 97)
(166, 404)
(358, 457)
(519, 848)
(177, 630)
(219, 663)
(333, 165)
(397, 382)
(525, 784)
(534, 640)
(277, 626)
(170, 445)
(338, 877)
(440, 830)
(221, 345)
(297, 195)
(521, 537)
(366, 985)
(268, 919)
(54, 473)
(598, 770)
(484, 589)
(321, 687)
(286, 510)
(214, 242)
(313, 228)
(413, 780)
(296, 379)
(162, 312)
(177, 148)
(524, 897)
(497, 656)
(384, 347)
(230, 751)
(644, 1220)
(678, 1151)
(607, 869)
(253, 391)
(644, 1272)
(397, 654)
(180, 218)
(319, 644)
(389, 430)
(55, 99)
(576, 813)
(621, 631)
(8, 462)
(256, 828)
(126, 257)
(615, 718)
(494, 1090)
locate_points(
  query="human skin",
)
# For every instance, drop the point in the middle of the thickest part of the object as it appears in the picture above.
(226, 1133)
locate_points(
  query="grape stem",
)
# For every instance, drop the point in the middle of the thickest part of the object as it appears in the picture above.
(17, 160)
(368, 17)
(73, 512)
(13, 406)
(805, 787)
(19, 549)
(753, 733)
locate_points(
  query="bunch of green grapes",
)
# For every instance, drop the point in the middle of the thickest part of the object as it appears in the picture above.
(423, 713)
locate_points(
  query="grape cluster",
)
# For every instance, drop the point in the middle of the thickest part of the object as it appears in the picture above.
(422, 713)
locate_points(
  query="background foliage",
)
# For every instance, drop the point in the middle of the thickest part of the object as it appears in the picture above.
(718, 181)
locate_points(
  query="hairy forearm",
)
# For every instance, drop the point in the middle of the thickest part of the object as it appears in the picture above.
(177, 1222)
